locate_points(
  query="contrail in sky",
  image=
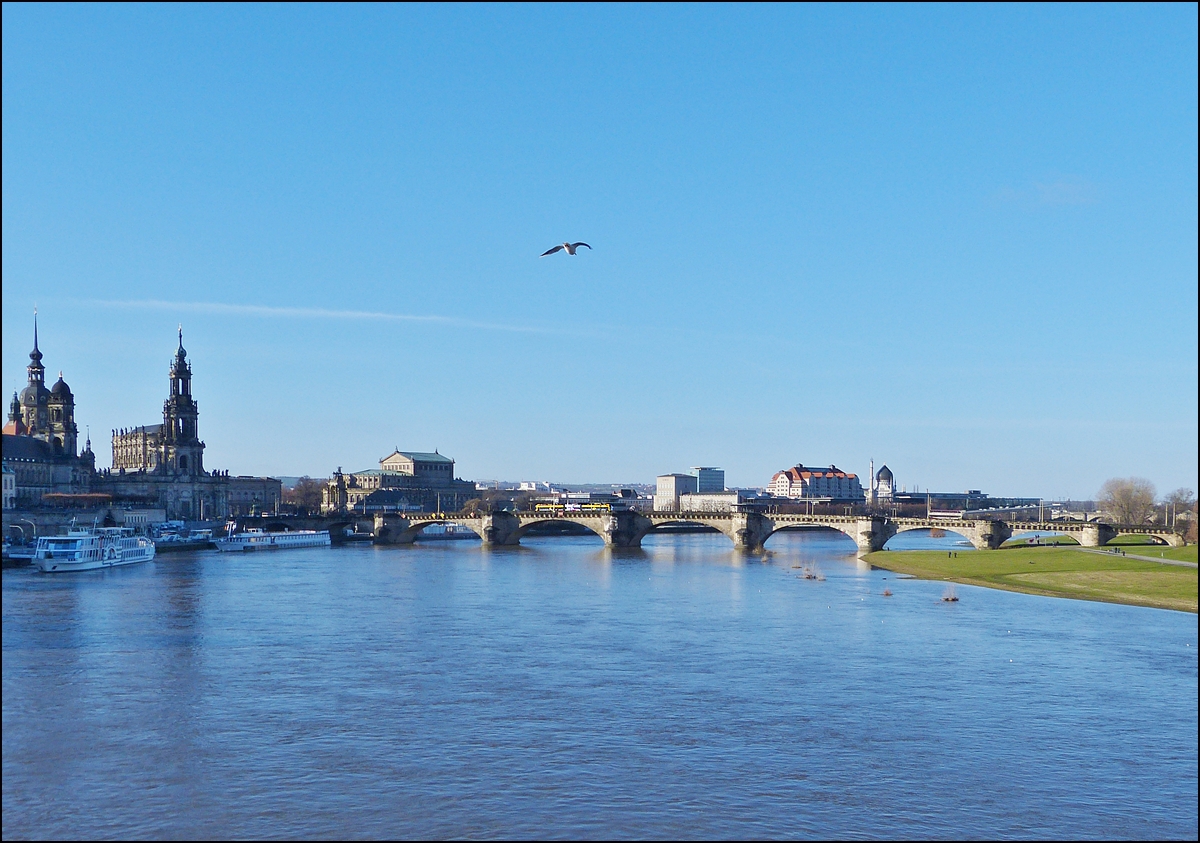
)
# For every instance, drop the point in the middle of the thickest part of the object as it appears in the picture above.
(320, 313)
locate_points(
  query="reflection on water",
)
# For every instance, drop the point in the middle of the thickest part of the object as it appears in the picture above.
(560, 689)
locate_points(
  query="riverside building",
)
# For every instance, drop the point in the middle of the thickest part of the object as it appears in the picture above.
(159, 466)
(163, 464)
(883, 486)
(41, 438)
(709, 479)
(671, 489)
(803, 483)
(406, 481)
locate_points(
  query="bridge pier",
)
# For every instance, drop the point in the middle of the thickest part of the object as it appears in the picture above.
(393, 529)
(499, 528)
(989, 535)
(624, 528)
(749, 530)
(871, 534)
(1095, 534)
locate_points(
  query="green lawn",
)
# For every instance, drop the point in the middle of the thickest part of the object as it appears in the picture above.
(1135, 539)
(1057, 572)
(1023, 541)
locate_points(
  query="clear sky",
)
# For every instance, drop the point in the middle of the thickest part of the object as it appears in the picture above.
(960, 240)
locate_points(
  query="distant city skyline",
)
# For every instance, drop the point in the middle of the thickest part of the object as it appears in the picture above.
(957, 240)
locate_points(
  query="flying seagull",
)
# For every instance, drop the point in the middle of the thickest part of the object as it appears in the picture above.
(570, 247)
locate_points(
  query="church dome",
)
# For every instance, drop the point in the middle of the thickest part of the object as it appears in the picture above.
(884, 475)
(34, 394)
(60, 388)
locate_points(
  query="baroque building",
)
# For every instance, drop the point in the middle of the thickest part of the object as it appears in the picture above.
(173, 446)
(163, 464)
(41, 438)
(883, 486)
(414, 481)
(160, 466)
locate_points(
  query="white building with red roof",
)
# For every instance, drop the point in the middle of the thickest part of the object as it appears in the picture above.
(804, 482)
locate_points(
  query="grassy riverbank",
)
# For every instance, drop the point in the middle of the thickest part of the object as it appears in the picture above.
(1058, 572)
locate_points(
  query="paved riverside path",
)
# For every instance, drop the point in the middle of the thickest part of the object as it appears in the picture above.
(1159, 559)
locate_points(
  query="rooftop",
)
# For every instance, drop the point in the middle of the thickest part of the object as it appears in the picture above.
(419, 456)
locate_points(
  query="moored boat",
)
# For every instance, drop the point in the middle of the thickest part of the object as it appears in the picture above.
(446, 532)
(16, 556)
(91, 549)
(170, 542)
(258, 539)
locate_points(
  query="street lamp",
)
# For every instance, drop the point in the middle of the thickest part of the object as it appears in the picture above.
(31, 524)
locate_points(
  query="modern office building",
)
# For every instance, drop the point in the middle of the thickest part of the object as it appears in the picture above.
(709, 479)
(668, 489)
(723, 501)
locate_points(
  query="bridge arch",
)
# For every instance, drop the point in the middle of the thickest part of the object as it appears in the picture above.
(1024, 536)
(387, 534)
(1160, 538)
(962, 531)
(552, 519)
(683, 522)
(811, 528)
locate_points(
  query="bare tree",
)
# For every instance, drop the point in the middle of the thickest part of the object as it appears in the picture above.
(305, 495)
(1179, 513)
(1127, 500)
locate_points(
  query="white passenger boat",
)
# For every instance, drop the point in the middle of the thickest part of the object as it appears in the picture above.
(90, 549)
(257, 539)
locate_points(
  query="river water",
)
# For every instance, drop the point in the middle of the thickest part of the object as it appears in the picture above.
(561, 690)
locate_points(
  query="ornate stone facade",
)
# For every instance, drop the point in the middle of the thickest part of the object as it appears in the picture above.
(41, 437)
(405, 480)
(160, 465)
(163, 464)
(173, 446)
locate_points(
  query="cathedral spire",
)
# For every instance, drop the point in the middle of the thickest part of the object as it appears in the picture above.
(35, 355)
(37, 372)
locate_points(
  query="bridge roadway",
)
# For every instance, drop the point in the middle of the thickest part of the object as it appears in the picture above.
(747, 530)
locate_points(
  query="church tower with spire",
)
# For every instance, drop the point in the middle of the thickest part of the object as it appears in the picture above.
(41, 439)
(16, 424)
(35, 398)
(183, 452)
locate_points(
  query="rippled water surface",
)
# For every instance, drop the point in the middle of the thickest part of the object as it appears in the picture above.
(560, 690)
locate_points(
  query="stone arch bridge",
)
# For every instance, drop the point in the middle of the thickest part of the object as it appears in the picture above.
(747, 530)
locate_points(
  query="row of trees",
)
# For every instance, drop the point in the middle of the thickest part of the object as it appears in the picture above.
(1133, 500)
(305, 496)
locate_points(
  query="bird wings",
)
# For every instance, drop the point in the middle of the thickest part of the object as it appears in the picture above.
(570, 247)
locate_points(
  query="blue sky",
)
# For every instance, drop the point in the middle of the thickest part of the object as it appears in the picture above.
(960, 240)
